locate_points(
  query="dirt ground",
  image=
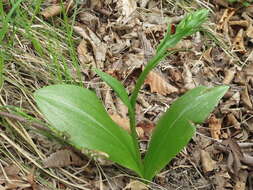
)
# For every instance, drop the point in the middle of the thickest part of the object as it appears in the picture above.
(52, 42)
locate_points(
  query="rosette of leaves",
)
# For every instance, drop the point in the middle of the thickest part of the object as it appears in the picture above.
(78, 112)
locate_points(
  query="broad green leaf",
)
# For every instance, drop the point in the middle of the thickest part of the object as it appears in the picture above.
(116, 86)
(175, 128)
(78, 114)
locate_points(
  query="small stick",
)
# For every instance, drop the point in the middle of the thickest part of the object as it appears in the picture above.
(23, 120)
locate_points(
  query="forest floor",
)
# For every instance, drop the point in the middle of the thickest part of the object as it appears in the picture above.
(52, 42)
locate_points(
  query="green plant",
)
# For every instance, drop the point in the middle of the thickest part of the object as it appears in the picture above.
(77, 113)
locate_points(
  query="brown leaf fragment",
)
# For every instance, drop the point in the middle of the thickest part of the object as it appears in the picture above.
(84, 55)
(248, 70)
(51, 11)
(10, 179)
(233, 121)
(249, 31)
(240, 78)
(136, 185)
(62, 158)
(207, 55)
(56, 9)
(238, 44)
(235, 156)
(208, 163)
(245, 98)
(31, 179)
(158, 84)
(229, 76)
(249, 10)
(223, 22)
(243, 23)
(223, 3)
(214, 127)
(127, 7)
(241, 180)
(99, 48)
(187, 76)
(122, 122)
(89, 19)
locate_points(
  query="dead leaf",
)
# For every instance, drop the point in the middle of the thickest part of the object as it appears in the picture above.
(136, 185)
(187, 76)
(207, 55)
(175, 75)
(233, 121)
(208, 163)
(122, 122)
(84, 55)
(127, 7)
(158, 84)
(238, 44)
(62, 158)
(245, 97)
(214, 126)
(10, 179)
(89, 19)
(98, 47)
(223, 22)
(243, 23)
(147, 127)
(229, 75)
(56, 9)
(241, 180)
(235, 156)
(223, 3)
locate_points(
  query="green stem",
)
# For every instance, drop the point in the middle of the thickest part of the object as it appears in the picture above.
(134, 136)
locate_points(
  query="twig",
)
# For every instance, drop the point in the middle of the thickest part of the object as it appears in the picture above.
(23, 120)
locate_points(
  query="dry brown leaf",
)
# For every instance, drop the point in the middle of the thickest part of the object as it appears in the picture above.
(245, 97)
(223, 3)
(109, 102)
(84, 55)
(121, 107)
(51, 11)
(241, 180)
(243, 23)
(175, 75)
(249, 32)
(214, 126)
(208, 163)
(89, 19)
(207, 55)
(187, 76)
(127, 7)
(136, 185)
(229, 76)
(158, 84)
(98, 47)
(56, 9)
(62, 158)
(147, 127)
(238, 44)
(233, 121)
(122, 122)
(235, 156)
(248, 70)
(249, 10)
(10, 179)
(223, 22)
